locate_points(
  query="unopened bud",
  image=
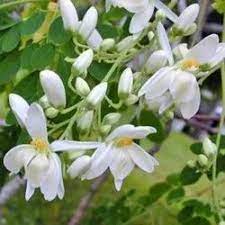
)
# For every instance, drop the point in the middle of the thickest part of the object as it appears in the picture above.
(190, 30)
(83, 61)
(105, 129)
(209, 148)
(203, 160)
(151, 35)
(96, 95)
(85, 121)
(82, 87)
(126, 43)
(111, 118)
(125, 85)
(107, 44)
(160, 15)
(157, 60)
(131, 100)
(43, 101)
(191, 163)
(51, 112)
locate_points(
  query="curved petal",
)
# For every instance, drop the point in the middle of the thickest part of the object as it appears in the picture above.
(121, 164)
(142, 159)
(100, 161)
(118, 184)
(65, 145)
(205, 50)
(133, 6)
(53, 88)
(164, 42)
(49, 185)
(29, 191)
(36, 122)
(168, 12)
(140, 20)
(35, 171)
(158, 84)
(219, 56)
(190, 108)
(18, 157)
(95, 40)
(19, 107)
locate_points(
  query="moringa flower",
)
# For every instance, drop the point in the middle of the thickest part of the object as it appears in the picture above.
(53, 88)
(120, 154)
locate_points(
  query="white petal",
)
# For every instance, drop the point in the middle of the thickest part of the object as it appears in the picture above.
(79, 166)
(65, 145)
(108, 5)
(36, 122)
(18, 157)
(188, 16)
(169, 14)
(189, 109)
(29, 191)
(205, 50)
(142, 159)
(19, 107)
(118, 184)
(121, 164)
(219, 55)
(133, 6)
(183, 86)
(100, 161)
(53, 88)
(164, 42)
(36, 170)
(49, 185)
(89, 22)
(158, 84)
(95, 40)
(140, 20)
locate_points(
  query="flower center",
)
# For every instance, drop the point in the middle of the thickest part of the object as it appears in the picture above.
(40, 145)
(123, 142)
(190, 64)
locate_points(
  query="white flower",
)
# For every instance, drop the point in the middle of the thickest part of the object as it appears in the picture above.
(42, 166)
(88, 23)
(69, 15)
(120, 154)
(83, 61)
(19, 107)
(95, 40)
(182, 87)
(125, 85)
(53, 88)
(187, 17)
(97, 94)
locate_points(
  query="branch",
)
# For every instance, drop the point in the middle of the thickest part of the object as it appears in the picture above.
(86, 200)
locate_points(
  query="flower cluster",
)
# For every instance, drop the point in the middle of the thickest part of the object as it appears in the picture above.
(162, 75)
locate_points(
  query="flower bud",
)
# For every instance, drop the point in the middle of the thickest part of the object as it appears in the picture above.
(43, 101)
(151, 35)
(126, 43)
(203, 160)
(105, 129)
(97, 94)
(85, 121)
(180, 51)
(160, 15)
(83, 61)
(95, 40)
(131, 100)
(79, 166)
(191, 164)
(82, 87)
(209, 148)
(69, 15)
(53, 88)
(222, 223)
(88, 23)
(125, 84)
(51, 112)
(107, 44)
(157, 60)
(192, 29)
(111, 118)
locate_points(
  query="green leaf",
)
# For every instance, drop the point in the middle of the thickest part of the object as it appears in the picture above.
(189, 176)
(9, 67)
(175, 195)
(148, 118)
(32, 24)
(108, 31)
(197, 220)
(219, 5)
(196, 148)
(42, 56)
(185, 214)
(114, 14)
(57, 34)
(10, 40)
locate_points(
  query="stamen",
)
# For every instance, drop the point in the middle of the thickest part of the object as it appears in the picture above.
(190, 64)
(123, 142)
(40, 144)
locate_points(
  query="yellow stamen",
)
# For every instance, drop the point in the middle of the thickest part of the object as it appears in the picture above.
(190, 64)
(39, 144)
(124, 142)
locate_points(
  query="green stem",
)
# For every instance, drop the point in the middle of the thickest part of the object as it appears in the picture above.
(218, 139)
(10, 4)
